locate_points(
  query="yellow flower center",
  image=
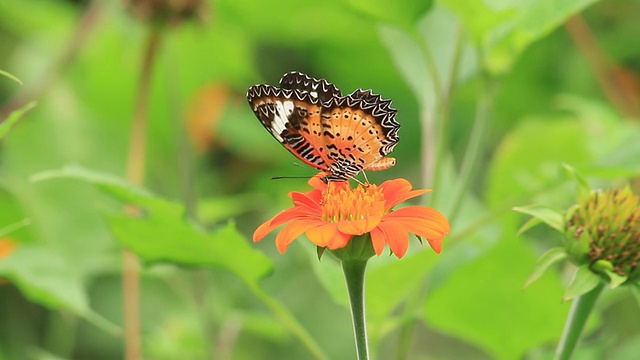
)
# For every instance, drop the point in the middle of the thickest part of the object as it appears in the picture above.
(341, 202)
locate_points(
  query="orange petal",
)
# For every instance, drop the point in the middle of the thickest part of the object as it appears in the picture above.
(328, 236)
(359, 227)
(309, 201)
(422, 216)
(378, 240)
(422, 221)
(339, 241)
(292, 230)
(398, 190)
(281, 218)
(317, 183)
(396, 236)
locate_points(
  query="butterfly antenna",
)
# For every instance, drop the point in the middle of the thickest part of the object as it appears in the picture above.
(302, 167)
(289, 177)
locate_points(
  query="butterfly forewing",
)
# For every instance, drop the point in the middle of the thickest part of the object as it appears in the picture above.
(317, 88)
(293, 118)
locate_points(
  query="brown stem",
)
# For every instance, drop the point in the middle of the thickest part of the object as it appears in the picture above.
(609, 75)
(135, 174)
(33, 91)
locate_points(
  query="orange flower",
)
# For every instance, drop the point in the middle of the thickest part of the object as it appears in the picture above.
(331, 214)
(6, 247)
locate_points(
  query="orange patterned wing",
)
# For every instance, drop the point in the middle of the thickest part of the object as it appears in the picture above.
(317, 88)
(340, 135)
(292, 114)
(359, 131)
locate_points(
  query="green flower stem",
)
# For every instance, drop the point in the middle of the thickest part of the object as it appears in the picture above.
(578, 315)
(444, 109)
(354, 271)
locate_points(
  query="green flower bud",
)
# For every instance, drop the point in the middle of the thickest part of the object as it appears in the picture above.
(603, 231)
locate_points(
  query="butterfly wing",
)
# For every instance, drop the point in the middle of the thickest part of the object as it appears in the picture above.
(293, 117)
(341, 135)
(359, 131)
(317, 88)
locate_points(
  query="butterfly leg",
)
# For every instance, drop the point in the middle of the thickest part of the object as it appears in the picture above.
(366, 180)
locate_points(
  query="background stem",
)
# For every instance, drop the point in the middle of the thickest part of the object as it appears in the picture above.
(135, 174)
(354, 271)
(578, 315)
(475, 145)
(289, 321)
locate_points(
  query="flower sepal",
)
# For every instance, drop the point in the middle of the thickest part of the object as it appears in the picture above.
(578, 244)
(584, 280)
(540, 213)
(544, 262)
(359, 248)
(606, 268)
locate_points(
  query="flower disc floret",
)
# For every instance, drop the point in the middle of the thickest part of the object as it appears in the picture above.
(344, 203)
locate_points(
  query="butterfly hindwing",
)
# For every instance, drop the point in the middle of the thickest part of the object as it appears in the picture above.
(359, 131)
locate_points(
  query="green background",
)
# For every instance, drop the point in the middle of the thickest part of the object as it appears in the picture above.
(208, 291)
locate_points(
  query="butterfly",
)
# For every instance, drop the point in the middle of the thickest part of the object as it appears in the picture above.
(338, 135)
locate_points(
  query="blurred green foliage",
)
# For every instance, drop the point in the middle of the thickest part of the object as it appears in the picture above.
(207, 291)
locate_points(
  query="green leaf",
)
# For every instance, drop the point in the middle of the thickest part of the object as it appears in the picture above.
(106, 181)
(629, 349)
(481, 302)
(406, 275)
(13, 118)
(10, 76)
(616, 279)
(528, 225)
(584, 280)
(163, 238)
(549, 216)
(409, 60)
(45, 278)
(606, 267)
(13, 227)
(425, 55)
(164, 233)
(517, 170)
(583, 187)
(506, 28)
(402, 12)
(548, 259)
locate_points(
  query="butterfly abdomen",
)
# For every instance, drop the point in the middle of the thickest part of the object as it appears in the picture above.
(382, 164)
